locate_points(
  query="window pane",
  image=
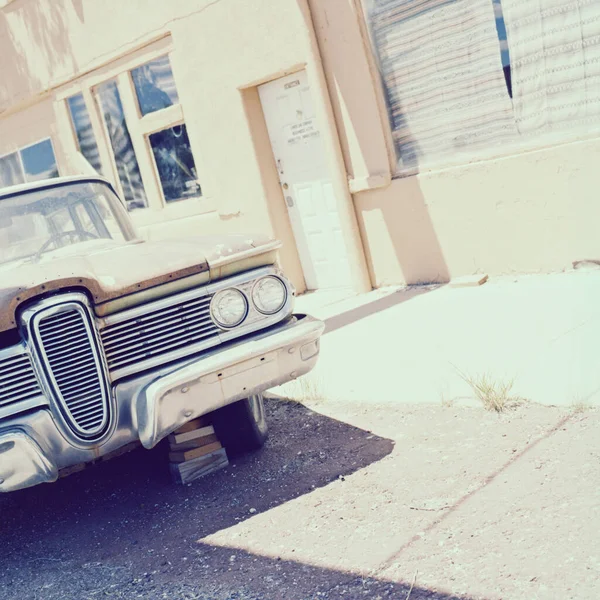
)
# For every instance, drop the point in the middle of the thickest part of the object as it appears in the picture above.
(86, 141)
(154, 85)
(39, 161)
(120, 140)
(175, 163)
(11, 172)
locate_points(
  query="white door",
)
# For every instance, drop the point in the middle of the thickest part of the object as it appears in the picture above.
(304, 176)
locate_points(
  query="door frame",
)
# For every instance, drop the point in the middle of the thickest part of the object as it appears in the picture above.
(281, 226)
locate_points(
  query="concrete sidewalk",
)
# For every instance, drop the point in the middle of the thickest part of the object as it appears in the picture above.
(409, 344)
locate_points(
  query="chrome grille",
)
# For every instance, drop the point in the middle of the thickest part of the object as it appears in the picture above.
(18, 383)
(75, 371)
(158, 333)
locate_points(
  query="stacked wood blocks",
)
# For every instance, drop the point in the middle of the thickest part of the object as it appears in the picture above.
(195, 451)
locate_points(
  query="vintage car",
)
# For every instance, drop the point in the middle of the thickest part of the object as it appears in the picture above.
(106, 339)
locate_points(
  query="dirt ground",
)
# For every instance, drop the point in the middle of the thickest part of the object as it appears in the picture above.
(345, 501)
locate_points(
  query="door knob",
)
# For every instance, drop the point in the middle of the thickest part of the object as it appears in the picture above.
(285, 186)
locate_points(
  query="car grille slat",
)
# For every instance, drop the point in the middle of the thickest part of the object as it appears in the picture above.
(18, 381)
(158, 338)
(147, 329)
(158, 333)
(69, 349)
(77, 342)
(202, 305)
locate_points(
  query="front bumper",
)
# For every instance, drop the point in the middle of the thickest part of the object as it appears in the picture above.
(148, 407)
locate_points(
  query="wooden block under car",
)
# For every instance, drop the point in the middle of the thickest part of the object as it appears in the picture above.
(195, 443)
(179, 457)
(195, 468)
(178, 438)
(194, 424)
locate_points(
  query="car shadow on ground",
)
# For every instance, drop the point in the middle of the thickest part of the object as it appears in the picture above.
(122, 529)
(127, 509)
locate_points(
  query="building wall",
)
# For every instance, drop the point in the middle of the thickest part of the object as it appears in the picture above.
(532, 211)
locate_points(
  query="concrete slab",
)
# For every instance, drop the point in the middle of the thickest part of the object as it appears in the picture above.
(411, 344)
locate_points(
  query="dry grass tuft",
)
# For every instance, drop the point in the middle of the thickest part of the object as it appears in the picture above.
(496, 396)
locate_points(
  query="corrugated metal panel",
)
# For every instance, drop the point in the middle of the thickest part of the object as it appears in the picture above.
(555, 59)
(443, 79)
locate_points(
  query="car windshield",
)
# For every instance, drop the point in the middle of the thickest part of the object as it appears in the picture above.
(38, 222)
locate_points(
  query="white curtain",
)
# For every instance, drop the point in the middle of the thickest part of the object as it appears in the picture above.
(555, 61)
(444, 83)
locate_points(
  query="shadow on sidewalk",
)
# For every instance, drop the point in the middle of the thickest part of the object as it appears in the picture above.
(366, 310)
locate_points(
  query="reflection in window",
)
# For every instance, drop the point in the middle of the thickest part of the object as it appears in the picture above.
(175, 163)
(154, 85)
(39, 161)
(11, 172)
(120, 140)
(83, 131)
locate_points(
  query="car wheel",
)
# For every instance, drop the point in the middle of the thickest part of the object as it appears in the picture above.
(242, 426)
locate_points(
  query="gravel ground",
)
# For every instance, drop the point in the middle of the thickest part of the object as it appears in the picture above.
(345, 501)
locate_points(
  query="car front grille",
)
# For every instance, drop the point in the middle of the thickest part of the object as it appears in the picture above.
(69, 350)
(160, 331)
(18, 383)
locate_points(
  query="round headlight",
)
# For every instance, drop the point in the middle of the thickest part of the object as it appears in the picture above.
(269, 295)
(229, 307)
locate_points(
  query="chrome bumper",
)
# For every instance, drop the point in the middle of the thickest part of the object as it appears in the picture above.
(149, 407)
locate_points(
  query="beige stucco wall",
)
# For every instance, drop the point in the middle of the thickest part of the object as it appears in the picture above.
(220, 51)
(54, 41)
(529, 212)
(532, 212)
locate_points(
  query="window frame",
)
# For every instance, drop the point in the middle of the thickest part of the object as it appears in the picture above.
(92, 117)
(140, 127)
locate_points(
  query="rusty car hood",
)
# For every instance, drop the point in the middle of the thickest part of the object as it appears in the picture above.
(128, 270)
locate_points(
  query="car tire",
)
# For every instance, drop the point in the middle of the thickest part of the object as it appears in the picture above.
(242, 426)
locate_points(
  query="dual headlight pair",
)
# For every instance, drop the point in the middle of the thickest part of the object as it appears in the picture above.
(230, 307)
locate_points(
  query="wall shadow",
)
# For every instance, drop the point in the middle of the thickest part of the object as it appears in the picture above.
(395, 219)
(43, 47)
(127, 515)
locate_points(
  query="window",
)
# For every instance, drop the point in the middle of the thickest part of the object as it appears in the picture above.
(144, 142)
(84, 133)
(445, 90)
(120, 141)
(175, 163)
(154, 85)
(448, 85)
(39, 161)
(30, 163)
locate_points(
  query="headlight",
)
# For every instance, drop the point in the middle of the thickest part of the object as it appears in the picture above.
(269, 295)
(229, 307)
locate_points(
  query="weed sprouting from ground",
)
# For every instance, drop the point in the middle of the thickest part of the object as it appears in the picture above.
(494, 395)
